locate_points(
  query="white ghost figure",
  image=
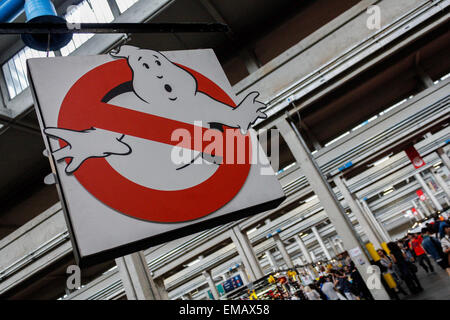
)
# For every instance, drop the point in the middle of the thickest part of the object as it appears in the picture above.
(162, 88)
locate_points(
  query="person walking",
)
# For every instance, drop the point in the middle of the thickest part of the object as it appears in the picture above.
(392, 269)
(408, 253)
(421, 257)
(433, 247)
(405, 269)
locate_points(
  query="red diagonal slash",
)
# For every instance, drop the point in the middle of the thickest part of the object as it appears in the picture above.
(146, 126)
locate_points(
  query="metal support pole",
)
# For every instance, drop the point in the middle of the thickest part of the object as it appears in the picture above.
(367, 225)
(211, 284)
(272, 261)
(136, 278)
(330, 204)
(444, 157)
(385, 237)
(427, 190)
(321, 243)
(441, 182)
(245, 250)
(112, 27)
(280, 245)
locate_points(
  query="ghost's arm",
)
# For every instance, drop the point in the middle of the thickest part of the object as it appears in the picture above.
(90, 143)
(242, 117)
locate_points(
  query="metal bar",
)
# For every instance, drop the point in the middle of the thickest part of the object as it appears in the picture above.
(58, 28)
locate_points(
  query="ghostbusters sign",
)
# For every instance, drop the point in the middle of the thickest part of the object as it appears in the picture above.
(148, 146)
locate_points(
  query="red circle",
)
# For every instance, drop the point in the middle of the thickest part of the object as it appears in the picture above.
(114, 190)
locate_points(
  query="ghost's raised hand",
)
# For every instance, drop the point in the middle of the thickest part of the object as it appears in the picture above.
(82, 145)
(248, 111)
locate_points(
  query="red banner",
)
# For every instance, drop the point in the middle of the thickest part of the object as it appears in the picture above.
(421, 195)
(415, 157)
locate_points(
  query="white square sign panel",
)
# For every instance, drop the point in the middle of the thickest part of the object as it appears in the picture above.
(148, 146)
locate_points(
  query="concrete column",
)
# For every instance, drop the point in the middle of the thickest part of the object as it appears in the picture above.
(245, 250)
(299, 261)
(243, 273)
(421, 215)
(441, 182)
(444, 157)
(280, 245)
(272, 260)
(136, 278)
(211, 284)
(306, 255)
(425, 209)
(428, 192)
(302, 246)
(340, 246)
(385, 237)
(333, 247)
(321, 243)
(159, 283)
(313, 256)
(302, 260)
(366, 224)
(329, 202)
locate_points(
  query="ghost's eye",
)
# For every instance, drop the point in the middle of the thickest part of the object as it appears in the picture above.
(146, 66)
(158, 63)
(168, 88)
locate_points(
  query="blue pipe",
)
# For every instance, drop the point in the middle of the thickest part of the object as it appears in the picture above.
(39, 10)
(11, 9)
(36, 11)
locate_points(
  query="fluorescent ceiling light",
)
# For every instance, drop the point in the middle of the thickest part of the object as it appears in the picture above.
(311, 198)
(376, 163)
(192, 262)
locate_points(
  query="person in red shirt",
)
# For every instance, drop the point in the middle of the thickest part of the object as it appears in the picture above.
(415, 244)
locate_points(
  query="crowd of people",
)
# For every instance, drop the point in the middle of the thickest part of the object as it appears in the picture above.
(343, 281)
(414, 250)
(340, 281)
